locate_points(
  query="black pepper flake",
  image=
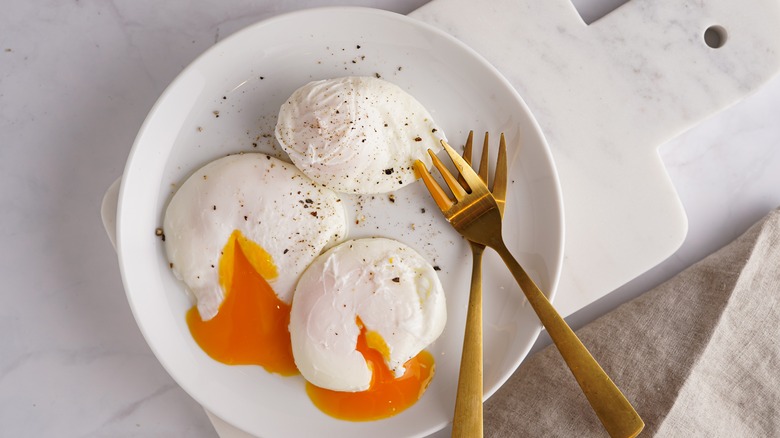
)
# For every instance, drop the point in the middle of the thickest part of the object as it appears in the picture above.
(261, 78)
(389, 171)
(286, 251)
(358, 46)
(391, 198)
(246, 217)
(436, 268)
(396, 280)
(417, 139)
(378, 76)
(224, 97)
(170, 265)
(399, 68)
(422, 210)
(309, 201)
(216, 114)
(214, 207)
(159, 232)
(363, 141)
(313, 213)
(254, 145)
(434, 130)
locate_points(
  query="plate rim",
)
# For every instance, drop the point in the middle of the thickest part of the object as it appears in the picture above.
(164, 96)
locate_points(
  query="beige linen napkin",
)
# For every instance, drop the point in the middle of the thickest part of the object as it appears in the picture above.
(697, 356)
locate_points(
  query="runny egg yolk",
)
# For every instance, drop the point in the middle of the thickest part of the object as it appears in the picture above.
(251, 325)
(386, 395)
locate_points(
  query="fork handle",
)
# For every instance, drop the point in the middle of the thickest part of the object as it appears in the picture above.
(619, 418)
(467, 421)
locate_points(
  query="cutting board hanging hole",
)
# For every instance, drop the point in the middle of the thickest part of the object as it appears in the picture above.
(715, 36)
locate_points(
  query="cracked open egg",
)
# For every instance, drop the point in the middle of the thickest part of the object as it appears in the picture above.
(362, 314)
(239, 233)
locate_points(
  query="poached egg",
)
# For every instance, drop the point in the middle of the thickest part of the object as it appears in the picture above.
(375, 288)
(357, 134)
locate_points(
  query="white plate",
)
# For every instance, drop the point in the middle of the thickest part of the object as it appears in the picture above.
(245, 78)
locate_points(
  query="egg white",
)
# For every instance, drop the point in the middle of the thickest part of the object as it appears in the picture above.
(357, 134)
(393, 290)
(271, 202)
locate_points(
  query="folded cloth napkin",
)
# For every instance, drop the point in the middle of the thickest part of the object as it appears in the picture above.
(697, 356)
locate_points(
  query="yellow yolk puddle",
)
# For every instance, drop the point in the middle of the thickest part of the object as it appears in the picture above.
(251, 325)
(386, 395)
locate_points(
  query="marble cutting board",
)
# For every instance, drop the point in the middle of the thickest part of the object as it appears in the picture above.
(606, 96)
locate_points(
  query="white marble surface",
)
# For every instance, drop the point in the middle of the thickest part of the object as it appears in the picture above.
(77, 79)
(606, 96)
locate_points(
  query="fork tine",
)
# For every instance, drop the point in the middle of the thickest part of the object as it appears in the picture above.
(499, 179)
(442, 199)
(452, 183)
(469, 146)
(471, 177)
(483, 162)
(467, 157)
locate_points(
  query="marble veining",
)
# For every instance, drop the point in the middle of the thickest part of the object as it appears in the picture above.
(77, 79)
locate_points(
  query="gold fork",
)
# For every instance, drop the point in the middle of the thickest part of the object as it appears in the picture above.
(467, 420)
(476, 216)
